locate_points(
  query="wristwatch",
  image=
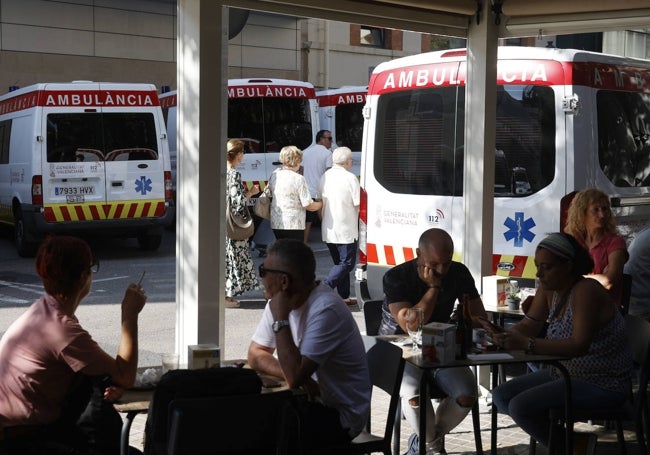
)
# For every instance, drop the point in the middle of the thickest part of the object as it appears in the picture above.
(277, 325)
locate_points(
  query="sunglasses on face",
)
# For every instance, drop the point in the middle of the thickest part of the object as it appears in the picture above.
(263, 271)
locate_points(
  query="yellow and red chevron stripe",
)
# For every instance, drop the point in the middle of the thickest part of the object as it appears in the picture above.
(152, 208)
(504, 264)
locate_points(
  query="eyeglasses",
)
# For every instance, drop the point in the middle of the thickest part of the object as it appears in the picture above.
(95, 266)
(327, 137)
(263, 271)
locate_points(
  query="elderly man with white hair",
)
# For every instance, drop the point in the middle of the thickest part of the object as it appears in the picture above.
(339, 191)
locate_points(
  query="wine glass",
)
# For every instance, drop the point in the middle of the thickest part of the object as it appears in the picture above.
(414, 321)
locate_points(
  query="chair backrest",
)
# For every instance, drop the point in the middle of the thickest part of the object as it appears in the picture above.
(204, 383)
(638, 331)
(234, 424)
(386, 366)
(372, 316)
(626, 292)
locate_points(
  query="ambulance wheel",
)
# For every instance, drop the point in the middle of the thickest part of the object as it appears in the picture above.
(25, 248)
(149, 242)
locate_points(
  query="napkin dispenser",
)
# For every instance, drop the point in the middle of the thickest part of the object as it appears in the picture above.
(203, 356)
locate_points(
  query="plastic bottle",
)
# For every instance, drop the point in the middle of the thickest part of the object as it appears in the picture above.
(467, 316)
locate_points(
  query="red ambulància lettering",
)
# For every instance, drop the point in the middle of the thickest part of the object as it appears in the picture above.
(98, 99)
(279, 91)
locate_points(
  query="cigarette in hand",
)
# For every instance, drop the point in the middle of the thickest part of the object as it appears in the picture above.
(141, 277)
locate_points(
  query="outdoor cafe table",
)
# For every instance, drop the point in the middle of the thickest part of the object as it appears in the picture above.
(492, 359)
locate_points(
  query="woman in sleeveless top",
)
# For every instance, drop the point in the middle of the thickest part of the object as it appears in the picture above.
(584, 324)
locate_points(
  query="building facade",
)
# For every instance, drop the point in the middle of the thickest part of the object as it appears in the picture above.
(135, 41)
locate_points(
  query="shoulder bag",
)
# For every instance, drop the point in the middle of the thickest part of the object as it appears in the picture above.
(262, 207)
(238, 227)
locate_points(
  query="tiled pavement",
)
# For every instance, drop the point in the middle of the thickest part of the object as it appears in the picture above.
(511, 440)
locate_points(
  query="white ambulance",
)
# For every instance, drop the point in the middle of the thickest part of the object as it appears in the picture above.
(266, 114)
(565, 120)
(84, 157)
(340, 111)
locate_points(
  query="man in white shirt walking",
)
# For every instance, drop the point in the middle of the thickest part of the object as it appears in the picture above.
(316, 159)
(340, 193)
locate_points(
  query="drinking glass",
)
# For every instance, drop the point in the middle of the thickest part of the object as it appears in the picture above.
(414, 321)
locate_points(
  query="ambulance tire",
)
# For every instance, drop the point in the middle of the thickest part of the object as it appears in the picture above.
(25, 248)
(149, 241)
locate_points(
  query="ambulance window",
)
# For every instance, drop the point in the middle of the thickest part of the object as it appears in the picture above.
(97, 137)
(5, 133)
(68, 132)
(525, 140)
(624, 137)
(419, 141)
(349, 126)
(268, 124)
(130, 136)
(415, 141)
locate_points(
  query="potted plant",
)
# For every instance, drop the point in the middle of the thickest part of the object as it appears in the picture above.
(513, 300)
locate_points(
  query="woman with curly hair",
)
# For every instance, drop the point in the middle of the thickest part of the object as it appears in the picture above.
(590, 221)
(240, 272)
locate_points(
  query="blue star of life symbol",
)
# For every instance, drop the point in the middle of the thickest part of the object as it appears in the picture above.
(518, 229)
(143, 185)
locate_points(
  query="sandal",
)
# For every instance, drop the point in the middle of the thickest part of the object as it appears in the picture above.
(232, 303)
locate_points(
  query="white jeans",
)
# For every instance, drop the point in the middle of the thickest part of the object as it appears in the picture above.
(455, 382)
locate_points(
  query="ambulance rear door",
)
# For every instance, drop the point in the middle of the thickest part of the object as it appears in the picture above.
(103, 157)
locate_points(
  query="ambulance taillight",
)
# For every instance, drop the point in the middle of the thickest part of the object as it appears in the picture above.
(169, 188)
(363, 223)
(37, 190)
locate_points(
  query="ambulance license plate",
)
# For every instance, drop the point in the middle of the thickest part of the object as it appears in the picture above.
(74, 190)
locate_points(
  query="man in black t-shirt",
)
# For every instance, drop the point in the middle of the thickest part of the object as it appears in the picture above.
(433, 282)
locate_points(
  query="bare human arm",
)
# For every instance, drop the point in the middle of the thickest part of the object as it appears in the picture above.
(592, 309)
(613, 273)
(122, 369)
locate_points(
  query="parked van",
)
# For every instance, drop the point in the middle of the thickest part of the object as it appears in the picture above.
(340, 111)
(266, 114)
(565, 120)
(84, 157)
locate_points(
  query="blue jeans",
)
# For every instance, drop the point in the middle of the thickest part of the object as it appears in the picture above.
(528, 399)
(344, 256)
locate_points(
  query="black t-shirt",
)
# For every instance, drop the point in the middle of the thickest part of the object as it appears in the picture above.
(403, 284)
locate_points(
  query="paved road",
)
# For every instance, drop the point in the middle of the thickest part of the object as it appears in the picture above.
(121, 263)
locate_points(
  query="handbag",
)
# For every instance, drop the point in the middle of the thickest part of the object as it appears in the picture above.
(262, 207)
(239, 227)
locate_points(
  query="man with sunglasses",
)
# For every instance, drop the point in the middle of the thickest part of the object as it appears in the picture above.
(316, 159)
(318, 346)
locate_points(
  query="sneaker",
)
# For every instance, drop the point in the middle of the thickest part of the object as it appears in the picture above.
(413, 445)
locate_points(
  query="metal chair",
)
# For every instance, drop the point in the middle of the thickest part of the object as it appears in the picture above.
(386, 365)
(372, 316)
(626, 293)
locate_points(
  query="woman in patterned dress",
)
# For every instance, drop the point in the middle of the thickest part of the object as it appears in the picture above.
(240, 272)
(584, 324)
